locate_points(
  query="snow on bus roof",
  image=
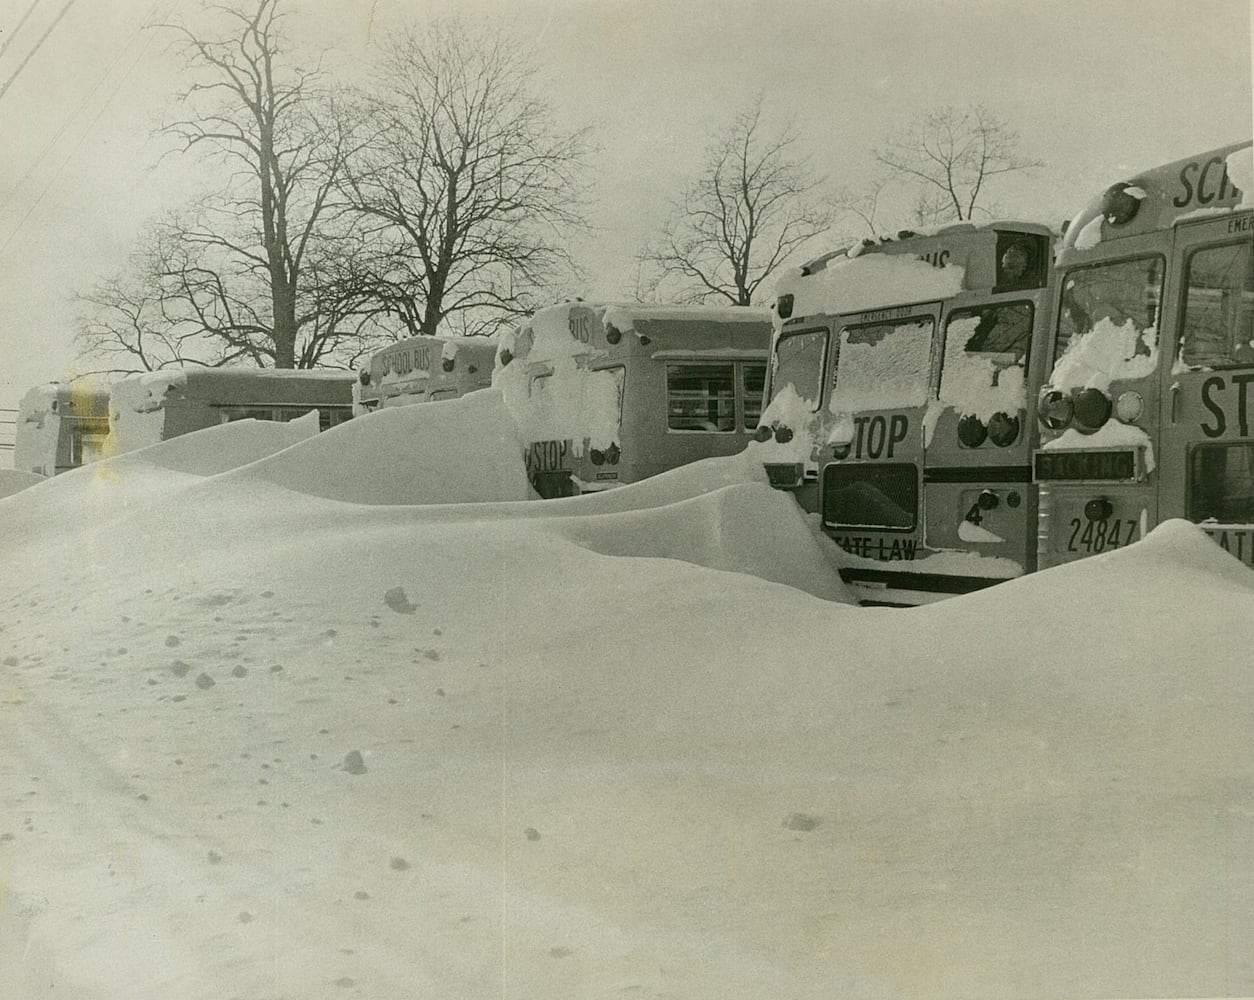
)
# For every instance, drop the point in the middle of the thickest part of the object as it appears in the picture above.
(870, 281)
(625, 315)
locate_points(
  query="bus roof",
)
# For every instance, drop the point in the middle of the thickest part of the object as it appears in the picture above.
(570, 329)
(85, 397)
(1211, 183)
(235, 385)
(910, 268)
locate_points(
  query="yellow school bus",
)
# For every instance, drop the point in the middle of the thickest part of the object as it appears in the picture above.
(425, 369)
(608, 394)
(901, 405)
(62, 426)
(1145, 412)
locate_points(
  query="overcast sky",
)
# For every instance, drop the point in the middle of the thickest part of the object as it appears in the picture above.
(1096, 89)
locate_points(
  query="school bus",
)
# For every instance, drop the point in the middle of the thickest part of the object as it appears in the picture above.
(426, 369)
(608, 394)
(900, 406)
(63, 426)
(1145, 413)
(60, 426)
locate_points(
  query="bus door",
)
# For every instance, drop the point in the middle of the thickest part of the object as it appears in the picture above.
(870, 488)
(1097, 466)
(1206, 454)
(791, 427)
(978, 496)
(548, 462)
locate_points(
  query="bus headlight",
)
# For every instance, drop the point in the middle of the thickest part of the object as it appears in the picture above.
(1129, 407)
(597, 456)
(971, 431)
(1054, 409)
(763, 433)
(613, 454)
(783, 434)
(1092, 409)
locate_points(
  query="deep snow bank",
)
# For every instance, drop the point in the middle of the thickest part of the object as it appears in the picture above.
(460, 451)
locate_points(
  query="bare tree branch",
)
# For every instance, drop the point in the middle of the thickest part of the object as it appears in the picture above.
(755, 205)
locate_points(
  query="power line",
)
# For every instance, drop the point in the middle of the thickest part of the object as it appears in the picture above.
(38, 45)
(82, 137)
(9, 41)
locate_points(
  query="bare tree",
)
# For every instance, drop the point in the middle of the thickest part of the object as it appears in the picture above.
(952, 154)
(465, 185)
(250, 262)
(755, 205)
(130, 323)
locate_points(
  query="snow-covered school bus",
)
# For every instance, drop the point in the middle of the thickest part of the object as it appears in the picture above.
(426, 369)
(63, 426)
(611, 394)
(1146, 411)
(60, 426)
(902, 404)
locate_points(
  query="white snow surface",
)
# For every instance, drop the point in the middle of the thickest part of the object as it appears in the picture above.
(270, 733)
(1106, 353)
(889, 374)
(1112, 434)
(1241, 173)
(868, 281)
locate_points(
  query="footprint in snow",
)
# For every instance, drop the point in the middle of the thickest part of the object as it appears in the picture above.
(398, 602)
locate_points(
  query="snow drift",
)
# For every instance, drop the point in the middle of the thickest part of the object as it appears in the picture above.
(266, 740)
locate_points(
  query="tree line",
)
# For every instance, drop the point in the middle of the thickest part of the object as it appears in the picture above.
(442, 195)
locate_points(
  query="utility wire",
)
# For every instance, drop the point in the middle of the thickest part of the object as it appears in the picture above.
(112, 93)
(13, 34)
(38, 45)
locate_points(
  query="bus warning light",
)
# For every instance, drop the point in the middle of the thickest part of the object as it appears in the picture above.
(1121, 202)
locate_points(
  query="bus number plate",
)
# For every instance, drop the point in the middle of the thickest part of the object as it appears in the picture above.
(1101, 536)
(547, 456)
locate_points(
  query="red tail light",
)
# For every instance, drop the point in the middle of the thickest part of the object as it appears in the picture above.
(1003, 429)
(1054, 409)
(1092, 409)
(971, 431)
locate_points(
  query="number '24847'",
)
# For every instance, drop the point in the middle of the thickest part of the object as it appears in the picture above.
(1098, 536)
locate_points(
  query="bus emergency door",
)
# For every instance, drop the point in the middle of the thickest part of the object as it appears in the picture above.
(883, 365)
(1206, 452)
(978, 495)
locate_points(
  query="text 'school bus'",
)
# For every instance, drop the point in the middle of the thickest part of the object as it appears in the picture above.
(902, 408)
(611, 394)
(60, 426)
(1146, 412)
(426, 369)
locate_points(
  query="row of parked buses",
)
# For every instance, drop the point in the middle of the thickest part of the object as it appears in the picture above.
(955, 408)
(62, 426)
(971, 405)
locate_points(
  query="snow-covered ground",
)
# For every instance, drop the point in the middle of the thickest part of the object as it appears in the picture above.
(313, 724)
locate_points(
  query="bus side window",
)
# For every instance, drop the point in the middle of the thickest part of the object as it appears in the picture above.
(701, 397)
(1221, 483)
(753, 381)
(1218, 327)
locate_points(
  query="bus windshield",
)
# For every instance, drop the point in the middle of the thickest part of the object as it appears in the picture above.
(1106, 298)
(986, 347)
(883, 366)
(798, 362)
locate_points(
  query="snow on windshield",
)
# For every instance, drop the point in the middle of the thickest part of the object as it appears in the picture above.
(1107, 353)
(883, 366)
(981, 376)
